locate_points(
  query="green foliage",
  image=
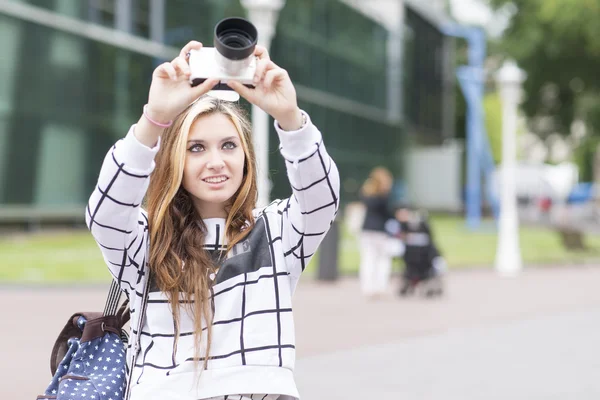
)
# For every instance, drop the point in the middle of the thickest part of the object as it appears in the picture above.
(583, 157)
(557, 42)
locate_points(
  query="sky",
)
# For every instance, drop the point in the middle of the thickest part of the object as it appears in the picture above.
(471, 11)
(476, 12)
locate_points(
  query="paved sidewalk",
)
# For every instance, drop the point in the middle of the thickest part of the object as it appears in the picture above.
(543, 358)
(531, 337)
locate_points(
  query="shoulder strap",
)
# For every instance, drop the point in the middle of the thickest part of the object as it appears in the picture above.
(112, 300)
(140, 324)
(136, 343)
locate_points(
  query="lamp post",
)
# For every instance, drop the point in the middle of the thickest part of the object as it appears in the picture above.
(508, 254)
(263, 14)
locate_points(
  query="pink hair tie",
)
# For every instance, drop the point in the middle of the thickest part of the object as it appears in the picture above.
(168, 124)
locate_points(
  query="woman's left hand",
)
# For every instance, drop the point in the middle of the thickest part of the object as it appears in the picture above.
(274, 92)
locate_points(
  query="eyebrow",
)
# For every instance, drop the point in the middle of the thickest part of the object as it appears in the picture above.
(221, 141)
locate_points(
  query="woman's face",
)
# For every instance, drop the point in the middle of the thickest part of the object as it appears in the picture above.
(385, 181)
(214, 164)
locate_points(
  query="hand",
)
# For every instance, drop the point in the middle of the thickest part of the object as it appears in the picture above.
(274, 92)
(171, 91)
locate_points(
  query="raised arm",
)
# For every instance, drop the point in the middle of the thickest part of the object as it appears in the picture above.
(309, 212)
(114, 214)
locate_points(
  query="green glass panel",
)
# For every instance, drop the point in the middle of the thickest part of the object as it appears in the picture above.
(328, 46)
(60, 167)
(196, 19)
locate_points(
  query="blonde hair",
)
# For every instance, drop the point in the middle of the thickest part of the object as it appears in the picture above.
(176, 230)
(378, 183)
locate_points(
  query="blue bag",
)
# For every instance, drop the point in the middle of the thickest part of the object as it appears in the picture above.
(88, 358)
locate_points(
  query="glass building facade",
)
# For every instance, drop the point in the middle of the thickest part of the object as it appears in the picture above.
(428, 69)
(65, 98)
(75, 74)
(340, 58)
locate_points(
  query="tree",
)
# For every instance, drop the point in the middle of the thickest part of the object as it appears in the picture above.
(557, 42)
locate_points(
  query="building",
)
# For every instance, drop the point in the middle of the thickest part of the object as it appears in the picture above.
(75, 74)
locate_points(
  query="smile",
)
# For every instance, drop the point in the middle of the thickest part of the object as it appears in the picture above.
(215, 179)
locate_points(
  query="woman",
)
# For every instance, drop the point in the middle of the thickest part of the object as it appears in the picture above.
(375, 258)
(218, 317)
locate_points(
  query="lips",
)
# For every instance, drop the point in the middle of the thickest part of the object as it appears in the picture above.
(215, 179)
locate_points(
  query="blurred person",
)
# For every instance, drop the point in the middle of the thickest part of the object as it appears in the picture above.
(424, 265)
(375, 257)
(218, 322)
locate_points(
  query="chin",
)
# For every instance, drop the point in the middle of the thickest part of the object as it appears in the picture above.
(206, 196)
(219, 198)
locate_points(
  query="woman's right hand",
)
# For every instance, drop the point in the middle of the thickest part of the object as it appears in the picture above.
(170, 91)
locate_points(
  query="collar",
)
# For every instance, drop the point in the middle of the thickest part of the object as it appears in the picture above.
(215, 233)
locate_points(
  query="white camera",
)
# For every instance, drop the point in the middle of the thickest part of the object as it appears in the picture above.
(231, 58)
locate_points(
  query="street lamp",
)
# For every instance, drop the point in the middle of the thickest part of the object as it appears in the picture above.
(508, 254)
(263, 14)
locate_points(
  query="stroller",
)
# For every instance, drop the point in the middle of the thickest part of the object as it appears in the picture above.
(424, 265)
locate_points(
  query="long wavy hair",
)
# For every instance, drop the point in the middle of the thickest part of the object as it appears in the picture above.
(177, 232)
(378, 183)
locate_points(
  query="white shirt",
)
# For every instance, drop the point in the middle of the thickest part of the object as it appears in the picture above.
(253, 346)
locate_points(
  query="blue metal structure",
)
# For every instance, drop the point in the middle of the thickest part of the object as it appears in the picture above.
(479, 156)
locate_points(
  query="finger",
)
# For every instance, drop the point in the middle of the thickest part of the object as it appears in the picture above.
(261, 52)
(242, 90)
(181, 66)
(193, 45)
(165, 70)
(205, 86)
(274, 75)
(261, 68)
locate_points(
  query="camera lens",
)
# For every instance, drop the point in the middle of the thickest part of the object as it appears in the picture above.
(235, 38)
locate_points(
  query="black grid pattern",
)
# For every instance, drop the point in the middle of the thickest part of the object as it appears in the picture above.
(253, 324)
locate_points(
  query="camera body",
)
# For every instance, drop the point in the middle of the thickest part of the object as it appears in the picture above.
(209, 63)
(232, 57)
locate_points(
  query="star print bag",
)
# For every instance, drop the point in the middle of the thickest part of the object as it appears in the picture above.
(88, 358)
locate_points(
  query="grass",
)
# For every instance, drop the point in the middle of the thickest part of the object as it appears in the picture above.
(462, 247)
(57, 257)
(73, 256)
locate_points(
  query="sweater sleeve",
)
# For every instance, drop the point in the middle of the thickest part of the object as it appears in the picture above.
(314, 178)
(114, 215)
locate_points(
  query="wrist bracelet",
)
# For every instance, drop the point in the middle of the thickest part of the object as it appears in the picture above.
(159, 124)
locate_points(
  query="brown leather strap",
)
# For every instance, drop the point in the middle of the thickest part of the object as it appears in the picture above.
(96, 328)
(69, 331)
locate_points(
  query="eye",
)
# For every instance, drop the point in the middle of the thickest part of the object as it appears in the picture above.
(229, 145)
(195, 148)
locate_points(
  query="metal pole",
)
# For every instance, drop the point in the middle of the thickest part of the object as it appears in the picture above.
(470, 79)
(508, 255)
(472, 84)
(263, 14)
(157, 20)
(329, 254)
(123, 16)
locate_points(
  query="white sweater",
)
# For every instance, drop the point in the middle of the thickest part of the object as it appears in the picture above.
(253, 346)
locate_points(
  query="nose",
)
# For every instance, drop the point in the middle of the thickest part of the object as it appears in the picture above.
(215, 161)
